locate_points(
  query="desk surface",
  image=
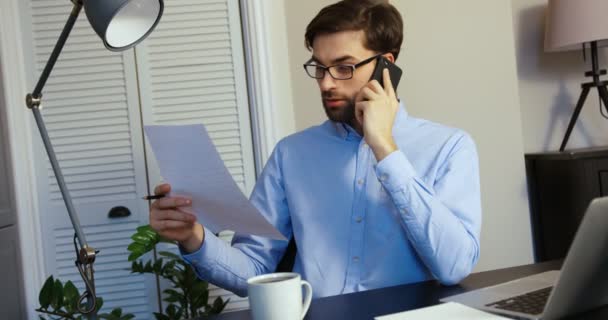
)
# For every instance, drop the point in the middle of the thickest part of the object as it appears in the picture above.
(372, 303)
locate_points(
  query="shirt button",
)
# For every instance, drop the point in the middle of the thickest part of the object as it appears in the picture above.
(403, 211)
(359, 219)
(360, 182)
(355, 259)
(383, 177)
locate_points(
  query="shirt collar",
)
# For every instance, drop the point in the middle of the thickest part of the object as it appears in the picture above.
(346, 132)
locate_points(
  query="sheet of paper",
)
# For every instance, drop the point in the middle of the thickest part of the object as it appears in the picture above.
(189, 161)
(449, 311)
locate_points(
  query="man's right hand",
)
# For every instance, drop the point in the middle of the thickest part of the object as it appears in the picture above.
(169, 217)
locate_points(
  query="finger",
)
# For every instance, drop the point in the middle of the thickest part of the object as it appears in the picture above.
(174, 215)
(376, 87)
(171, 202)
(368, 94)
(162, 189)
(360, 111)
(164, 225)
(359, 96)
(388, 84)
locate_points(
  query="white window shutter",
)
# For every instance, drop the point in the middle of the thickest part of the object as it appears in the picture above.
(92, 114)
(192, 70)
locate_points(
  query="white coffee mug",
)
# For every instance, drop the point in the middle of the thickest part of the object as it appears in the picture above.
(278, 296)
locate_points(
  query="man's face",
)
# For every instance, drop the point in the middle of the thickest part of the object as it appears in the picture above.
(338, 96)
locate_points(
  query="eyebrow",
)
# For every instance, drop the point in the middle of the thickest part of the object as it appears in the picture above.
(335, 61)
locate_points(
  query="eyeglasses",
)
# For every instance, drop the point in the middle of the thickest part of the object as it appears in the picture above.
(338, 71)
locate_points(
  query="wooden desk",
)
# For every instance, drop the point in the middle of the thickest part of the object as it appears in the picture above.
(369, 304)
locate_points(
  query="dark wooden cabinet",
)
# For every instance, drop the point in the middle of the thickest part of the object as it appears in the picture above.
(561, 185)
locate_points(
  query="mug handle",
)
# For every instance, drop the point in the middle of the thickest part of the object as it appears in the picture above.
(307, 297)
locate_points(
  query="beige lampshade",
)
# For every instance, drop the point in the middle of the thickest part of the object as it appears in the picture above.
(570, 23)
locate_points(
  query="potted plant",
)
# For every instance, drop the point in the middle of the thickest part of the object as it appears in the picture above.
(189, 296)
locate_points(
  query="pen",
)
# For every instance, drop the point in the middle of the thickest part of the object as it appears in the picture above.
(153, 197)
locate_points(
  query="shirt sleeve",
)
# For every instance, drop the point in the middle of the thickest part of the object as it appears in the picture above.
(229, 266)
(442, 220)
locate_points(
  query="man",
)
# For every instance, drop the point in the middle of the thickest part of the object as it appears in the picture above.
(373, 196)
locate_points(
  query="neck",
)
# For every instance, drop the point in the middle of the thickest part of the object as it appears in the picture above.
(356, 126)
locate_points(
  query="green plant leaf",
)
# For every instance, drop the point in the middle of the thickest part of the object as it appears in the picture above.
(173, 296)
(171, 311)
(137, 266)
(116, 314)
(169, 266)
(106, 316)
(158, 266)
(98, 303)
(148, 266)
(147, 232)
(142, 238)
(218, 305)
(170, 255)
(135, 255)
(145, 228)
(179, 314)
(70, 296)
(160, 316)
(136, 247)
(57, 296)
(46, 293)
(200, 294)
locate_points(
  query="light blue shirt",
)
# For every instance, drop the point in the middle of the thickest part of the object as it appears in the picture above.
(359, 224)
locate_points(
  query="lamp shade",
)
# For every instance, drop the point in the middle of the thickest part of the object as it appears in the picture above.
(570, 23)
(122, 24)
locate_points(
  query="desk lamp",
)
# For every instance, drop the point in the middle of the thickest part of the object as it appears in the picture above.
(121, 24)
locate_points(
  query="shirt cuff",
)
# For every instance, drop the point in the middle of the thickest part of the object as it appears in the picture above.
(395, 171)
(206, 256)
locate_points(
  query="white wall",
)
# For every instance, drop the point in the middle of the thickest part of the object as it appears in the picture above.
(549, 86)
(459, 69)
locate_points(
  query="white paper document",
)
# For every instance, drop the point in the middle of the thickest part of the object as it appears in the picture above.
(189, 162)
(447, 311)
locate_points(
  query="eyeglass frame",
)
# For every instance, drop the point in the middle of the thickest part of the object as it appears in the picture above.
(326, 69)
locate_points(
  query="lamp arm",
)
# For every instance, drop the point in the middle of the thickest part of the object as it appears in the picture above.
(86, 254)
(63, 37)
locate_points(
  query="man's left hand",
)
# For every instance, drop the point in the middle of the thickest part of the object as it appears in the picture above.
(375, 110)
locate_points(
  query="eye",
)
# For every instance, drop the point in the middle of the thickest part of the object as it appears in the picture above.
(319, 71)
(343, 69)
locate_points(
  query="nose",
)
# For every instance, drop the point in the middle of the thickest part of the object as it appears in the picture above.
(327, 82)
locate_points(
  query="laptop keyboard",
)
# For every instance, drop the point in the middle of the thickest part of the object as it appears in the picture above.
(530, 303)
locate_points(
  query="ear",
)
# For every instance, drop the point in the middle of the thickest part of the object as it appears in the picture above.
(389, 56)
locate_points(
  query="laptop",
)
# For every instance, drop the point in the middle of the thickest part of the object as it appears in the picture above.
(581, 285)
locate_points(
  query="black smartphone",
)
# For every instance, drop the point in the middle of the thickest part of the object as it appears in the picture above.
(394, 72)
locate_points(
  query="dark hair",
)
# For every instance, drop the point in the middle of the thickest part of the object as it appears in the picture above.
(379, 20)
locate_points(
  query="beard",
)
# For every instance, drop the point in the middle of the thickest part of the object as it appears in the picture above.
(344, 114)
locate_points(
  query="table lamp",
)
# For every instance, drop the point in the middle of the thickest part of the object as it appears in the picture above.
(576, 24)
(121, 24)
